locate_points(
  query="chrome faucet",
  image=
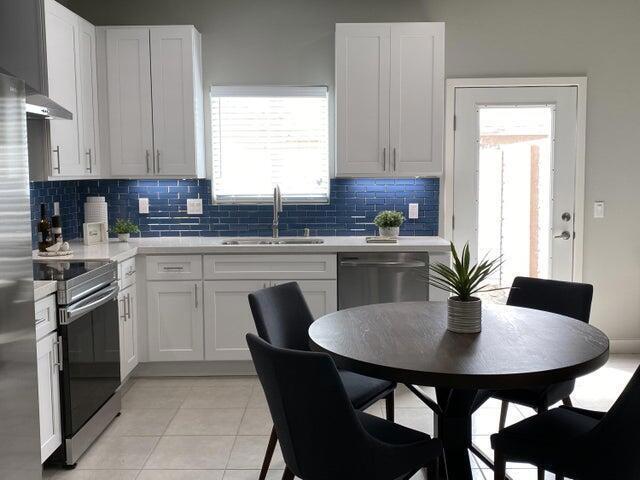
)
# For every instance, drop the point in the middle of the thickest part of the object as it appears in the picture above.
(277, 209)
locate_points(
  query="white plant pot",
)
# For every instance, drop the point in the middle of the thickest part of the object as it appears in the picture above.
(464, 317)
(389, 231)
(124, 237)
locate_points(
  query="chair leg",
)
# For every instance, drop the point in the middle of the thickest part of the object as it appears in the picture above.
(567, 402)
(504, 409)
(540, 473)
(271, 446)
(499, 466)
(287, 474)
(389, 401)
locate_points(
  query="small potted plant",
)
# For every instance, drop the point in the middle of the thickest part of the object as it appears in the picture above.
(463, 281)
(124, 228)
(388, 223)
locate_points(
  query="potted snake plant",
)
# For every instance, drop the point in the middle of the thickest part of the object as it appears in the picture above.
(463, 281)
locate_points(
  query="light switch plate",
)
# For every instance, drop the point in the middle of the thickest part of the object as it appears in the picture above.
(56, 208)
(598, 209)
(143, 205)
(194, 206)
(413, 210)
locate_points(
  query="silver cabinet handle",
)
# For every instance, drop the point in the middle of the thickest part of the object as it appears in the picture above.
(147, 159)
(57, 345)
(394, 159)
(364, 263)
(173, 269)
(158, 161)
(384, 158)
(564, 235)
(89, 168)
(129, 306)
(124, 309)
(57, 152)
(195, 294)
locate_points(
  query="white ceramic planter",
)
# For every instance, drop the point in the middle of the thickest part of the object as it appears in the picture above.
(124, 237)
(389, 231)
(464, 317)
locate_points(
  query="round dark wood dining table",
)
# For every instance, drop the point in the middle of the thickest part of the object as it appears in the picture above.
(409, 343)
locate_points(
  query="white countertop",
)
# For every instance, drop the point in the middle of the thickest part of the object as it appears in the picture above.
(43, 288)
(119, 251)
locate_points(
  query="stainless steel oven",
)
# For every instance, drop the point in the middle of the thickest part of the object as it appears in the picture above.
(89, 349)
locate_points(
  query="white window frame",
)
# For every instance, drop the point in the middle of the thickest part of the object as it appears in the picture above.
(273, 91)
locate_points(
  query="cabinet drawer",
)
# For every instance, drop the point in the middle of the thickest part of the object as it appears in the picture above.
(45, 315)
(269, 267)
(127, 272)
(174, 267)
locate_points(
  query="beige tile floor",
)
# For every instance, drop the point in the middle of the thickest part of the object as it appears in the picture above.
(205, 428)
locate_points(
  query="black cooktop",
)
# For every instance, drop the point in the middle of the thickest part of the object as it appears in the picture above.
(57, 270)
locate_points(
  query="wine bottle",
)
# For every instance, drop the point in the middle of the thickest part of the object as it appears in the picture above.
(56, 229)
(44, 230)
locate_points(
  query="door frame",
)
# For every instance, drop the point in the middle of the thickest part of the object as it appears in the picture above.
(446, 193)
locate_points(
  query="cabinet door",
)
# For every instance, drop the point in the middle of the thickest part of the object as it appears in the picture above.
(320, 295)
(49, 395)
(62, 38)
(172, 73)
(362, 99)
(88, 97)
(129, 101)
(175, 320)
(228, 318)
(127, 310)
(417, 98)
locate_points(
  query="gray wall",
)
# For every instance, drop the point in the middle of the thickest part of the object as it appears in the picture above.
(291, 41)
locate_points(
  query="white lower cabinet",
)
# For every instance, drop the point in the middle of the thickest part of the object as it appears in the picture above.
(49, 395)
(127, 311)
(175, 320)
(228, 316)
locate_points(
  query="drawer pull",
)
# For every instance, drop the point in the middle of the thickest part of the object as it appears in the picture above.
(130, 272)
(173, 269)
(41, 320)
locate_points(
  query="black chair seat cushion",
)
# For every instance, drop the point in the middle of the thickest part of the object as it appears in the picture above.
(363, 390)
(535, 396)
(546, 440)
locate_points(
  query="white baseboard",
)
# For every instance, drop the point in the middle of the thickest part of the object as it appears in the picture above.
(193, 369)
(625, 346)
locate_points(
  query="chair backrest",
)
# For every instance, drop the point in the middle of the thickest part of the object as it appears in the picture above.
(318, 430)
(564, 298)
(613, 443)
(282, 316)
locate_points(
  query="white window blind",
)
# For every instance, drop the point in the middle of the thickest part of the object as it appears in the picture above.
(267, 136)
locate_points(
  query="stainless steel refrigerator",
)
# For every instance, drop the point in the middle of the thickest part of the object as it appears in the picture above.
(19, 422)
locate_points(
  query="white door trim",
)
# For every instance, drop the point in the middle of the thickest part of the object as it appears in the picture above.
(446, 193)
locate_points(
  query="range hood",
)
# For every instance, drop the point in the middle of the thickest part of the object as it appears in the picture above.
(23, 54)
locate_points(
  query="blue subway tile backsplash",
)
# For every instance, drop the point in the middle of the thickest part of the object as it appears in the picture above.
(353, 205)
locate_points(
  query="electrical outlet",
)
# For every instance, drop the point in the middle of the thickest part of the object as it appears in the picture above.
(143, 205)
(598, 209)
(194, 206)
(413, 210)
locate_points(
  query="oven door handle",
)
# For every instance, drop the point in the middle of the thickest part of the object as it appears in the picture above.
(382, 264)
(92, 302)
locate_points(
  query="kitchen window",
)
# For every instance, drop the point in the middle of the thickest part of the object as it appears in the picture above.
(267, 136)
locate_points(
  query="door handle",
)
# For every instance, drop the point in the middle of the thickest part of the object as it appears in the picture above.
(364, 263)
(384, 158)
(89, 168)
(195, 295)
(57, 152)
(564, 235)
(394, 159)
(158, 160)
(57, 345)
(124, 309)
(129, 306)
(147, 159)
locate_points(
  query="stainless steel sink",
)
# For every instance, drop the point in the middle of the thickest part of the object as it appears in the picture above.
(274, 241)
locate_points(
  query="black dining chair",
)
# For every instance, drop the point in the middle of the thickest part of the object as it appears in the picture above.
(577, 443)
(283, 318)
(564, 298)
(321, 435)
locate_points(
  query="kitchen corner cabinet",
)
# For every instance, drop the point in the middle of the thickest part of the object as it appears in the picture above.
(155, 101)
(175, 313)
(127, 311)
(72, 82)
(49, 395)
(389, 99)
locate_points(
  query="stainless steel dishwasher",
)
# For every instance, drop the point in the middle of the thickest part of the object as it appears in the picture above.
(381, 277)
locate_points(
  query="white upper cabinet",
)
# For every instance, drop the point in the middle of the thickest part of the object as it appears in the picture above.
(389, 99)
(155, 101)
(88, 98)
(72, 80)
(129, 101)
(61, 27)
